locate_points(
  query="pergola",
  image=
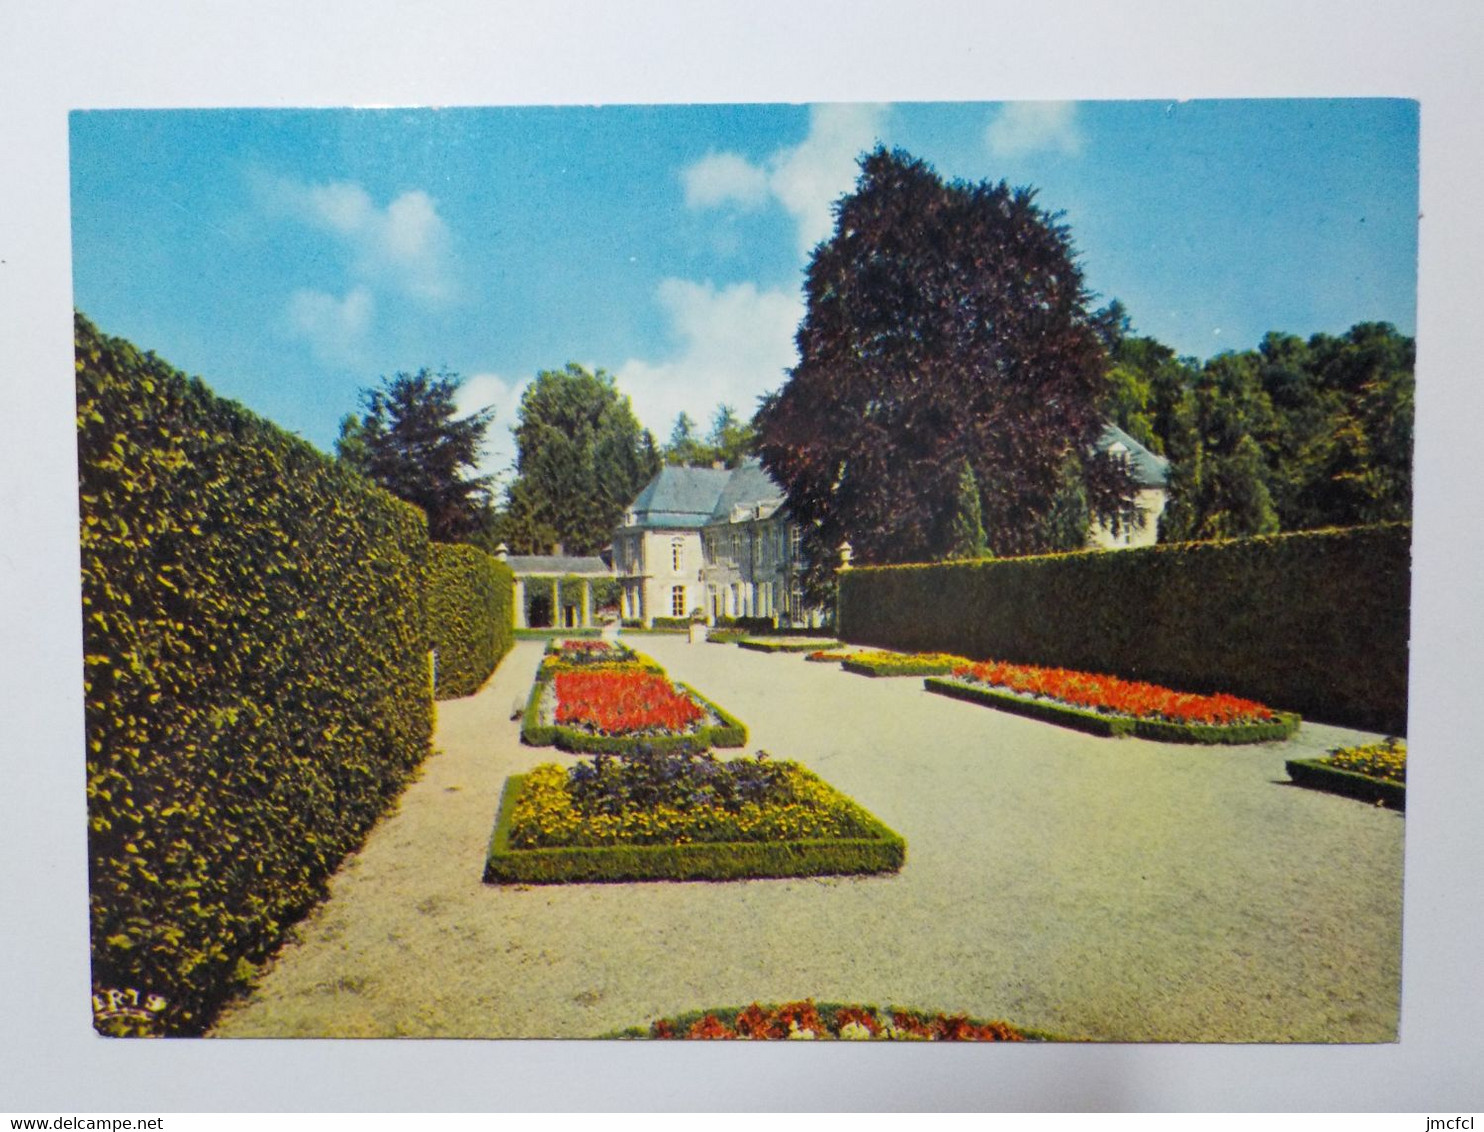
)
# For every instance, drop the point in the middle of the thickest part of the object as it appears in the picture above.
(549, 570)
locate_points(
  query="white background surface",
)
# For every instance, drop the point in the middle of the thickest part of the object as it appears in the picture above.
(75, 54)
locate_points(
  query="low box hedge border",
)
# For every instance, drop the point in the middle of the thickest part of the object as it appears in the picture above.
(906, 666)
(727, 860)
(663, 626)
(549, 634)
(729, 732)
(1321, 774)
(785, 644)
(1114, 726)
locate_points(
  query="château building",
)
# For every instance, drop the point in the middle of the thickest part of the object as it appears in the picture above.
(715, 543)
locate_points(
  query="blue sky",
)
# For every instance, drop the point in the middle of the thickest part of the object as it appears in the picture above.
(291, 258)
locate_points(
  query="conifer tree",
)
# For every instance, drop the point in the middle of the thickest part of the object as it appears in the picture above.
(968, 522)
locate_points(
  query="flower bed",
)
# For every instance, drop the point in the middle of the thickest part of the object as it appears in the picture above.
(871, 663)
(1375, 772)
(784, 644)
(613, 709)
(1107, 705)
(659, 814)
(587, 648)
(830, 1022)
(574, 655)
(638, 662)
(826, 656)
(624, 703)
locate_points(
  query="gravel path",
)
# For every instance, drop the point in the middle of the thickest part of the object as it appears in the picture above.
(1112, 889)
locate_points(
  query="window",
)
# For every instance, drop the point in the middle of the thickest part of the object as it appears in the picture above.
(795, 542)
(677, 602)
(677, 554)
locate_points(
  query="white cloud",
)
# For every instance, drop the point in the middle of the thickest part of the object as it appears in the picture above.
(724, 178)
(484, 390)
(1034, 127)
(334, 328)
(405, 245)
(809, 178)
(734, 344)
(805, 179)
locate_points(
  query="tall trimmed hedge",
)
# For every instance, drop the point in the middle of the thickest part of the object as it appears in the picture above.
(256, 675)
(1314, 622)
(471, 616)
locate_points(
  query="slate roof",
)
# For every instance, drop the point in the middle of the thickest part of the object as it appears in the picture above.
(525, 565)
(679, 497)
(1149, 470)
(747, 485)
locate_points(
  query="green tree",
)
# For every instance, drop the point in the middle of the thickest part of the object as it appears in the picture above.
(1219, 480)
(686, 448)
(581, 458)
(1293, 435)
(411, 440)
(968, 519)
(731, 438)
(729, 442)
(1365, 476)
(1146, 386)
(945, 323)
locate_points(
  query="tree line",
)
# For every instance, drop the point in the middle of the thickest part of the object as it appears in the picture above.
(1292, 435)
(581, 457)
(954, 379)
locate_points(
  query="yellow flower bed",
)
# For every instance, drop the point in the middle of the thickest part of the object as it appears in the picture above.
(1379, 760)
(881, 663)
(547, 816)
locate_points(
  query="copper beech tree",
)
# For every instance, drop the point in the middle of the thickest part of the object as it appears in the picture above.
(947, 327)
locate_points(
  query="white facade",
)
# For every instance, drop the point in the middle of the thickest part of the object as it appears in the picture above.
(1152, 474)
(1151, 504)
(709, 543)
(753, 565)
(660, 571)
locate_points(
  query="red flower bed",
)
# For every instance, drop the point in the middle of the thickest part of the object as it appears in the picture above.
(1109, 693)
(587, 646)
(805, 1020)
(622, 703)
